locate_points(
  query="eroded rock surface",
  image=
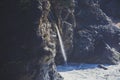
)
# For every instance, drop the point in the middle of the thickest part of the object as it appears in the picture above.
(96, 38)
(29, 42)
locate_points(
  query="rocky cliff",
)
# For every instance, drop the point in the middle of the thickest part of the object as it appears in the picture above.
(30, 45)
(96, 37)
(28, 41)
(90, 33)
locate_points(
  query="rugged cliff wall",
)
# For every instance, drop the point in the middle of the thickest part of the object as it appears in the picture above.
(96, 38)
(28, 41)
(89, 32)
(111, 8)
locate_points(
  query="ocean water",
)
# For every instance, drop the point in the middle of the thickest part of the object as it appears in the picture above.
(89, 72)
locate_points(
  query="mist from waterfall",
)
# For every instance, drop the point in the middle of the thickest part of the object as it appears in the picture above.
(61, 45)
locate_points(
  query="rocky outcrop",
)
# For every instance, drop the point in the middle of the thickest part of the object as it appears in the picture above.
(88, 32)
(111, 8)
(28, 50)
(96, 39)
(30, 43)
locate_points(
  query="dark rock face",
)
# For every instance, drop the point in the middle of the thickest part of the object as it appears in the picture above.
(30, 43)
(111, 8)
(88, 12)
(98, 44)
(26, 54)
(89, 34)
(96, 39)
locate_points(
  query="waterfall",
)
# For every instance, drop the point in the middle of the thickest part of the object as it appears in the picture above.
(61, 45)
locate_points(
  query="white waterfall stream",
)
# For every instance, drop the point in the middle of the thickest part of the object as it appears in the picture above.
(61, 45)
